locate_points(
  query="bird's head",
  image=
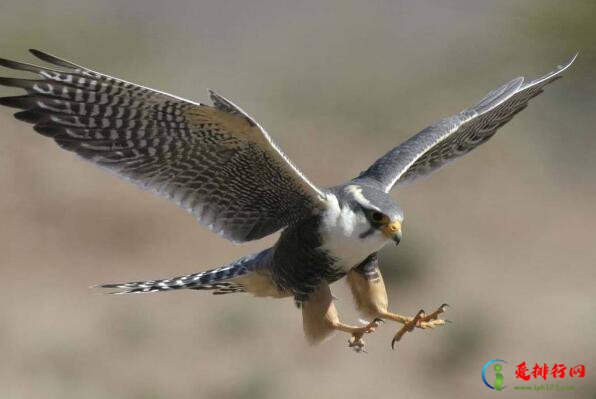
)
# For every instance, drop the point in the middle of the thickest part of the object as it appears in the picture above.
(380, 217)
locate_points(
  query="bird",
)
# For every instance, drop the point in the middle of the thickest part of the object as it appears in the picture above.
(219, 164)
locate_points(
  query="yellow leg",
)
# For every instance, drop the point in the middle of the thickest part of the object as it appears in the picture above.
(320, 319)
(371, 300)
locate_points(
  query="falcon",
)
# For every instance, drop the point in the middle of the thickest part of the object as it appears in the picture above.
(219, 164)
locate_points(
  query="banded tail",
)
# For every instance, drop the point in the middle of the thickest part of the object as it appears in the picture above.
(220, 280)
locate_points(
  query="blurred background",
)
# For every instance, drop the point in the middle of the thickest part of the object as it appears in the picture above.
(505, 235)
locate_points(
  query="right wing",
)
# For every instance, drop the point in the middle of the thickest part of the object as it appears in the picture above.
(214, 161)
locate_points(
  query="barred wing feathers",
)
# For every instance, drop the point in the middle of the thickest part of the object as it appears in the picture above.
(214, 161)
(457, 135)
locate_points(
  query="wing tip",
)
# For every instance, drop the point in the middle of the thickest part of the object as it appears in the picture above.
(20, 102)
(6, 63)
(19, 66)
(567, 64)
(36, 52)
(29, 116)
(52, 59)
(41, 55)
(556, 74)
(564, 66)
(13, 82)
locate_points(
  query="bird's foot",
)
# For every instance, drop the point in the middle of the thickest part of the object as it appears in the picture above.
(356, 342)
(421, 320)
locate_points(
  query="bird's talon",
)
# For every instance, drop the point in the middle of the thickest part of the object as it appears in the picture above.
(435, 315)
(419, 318)
(357, 344)
(372, 326)
(422, 321)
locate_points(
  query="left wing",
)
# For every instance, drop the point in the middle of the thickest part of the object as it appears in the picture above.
(214, 161)
(455, 136)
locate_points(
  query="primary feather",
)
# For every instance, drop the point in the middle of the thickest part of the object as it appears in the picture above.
(214, 161)
(456, 135)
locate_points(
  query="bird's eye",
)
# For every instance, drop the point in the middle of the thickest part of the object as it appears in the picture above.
(377, 217)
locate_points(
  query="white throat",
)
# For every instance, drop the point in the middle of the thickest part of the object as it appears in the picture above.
(341, 233)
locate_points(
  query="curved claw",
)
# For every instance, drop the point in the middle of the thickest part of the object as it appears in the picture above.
(356, 342)
(435, 315)
(409, 326)
(393, 342)
(420, 316)
(371, 327)
(421, 320)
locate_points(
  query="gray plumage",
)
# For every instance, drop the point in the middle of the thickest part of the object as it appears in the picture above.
(456, 135)
(219, 164)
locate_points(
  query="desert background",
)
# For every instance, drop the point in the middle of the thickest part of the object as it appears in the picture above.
(504, 235)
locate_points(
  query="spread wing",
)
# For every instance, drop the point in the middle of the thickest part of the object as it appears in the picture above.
(214, 161)
(457, 135)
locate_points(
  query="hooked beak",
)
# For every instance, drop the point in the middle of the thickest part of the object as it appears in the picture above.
(393, 231)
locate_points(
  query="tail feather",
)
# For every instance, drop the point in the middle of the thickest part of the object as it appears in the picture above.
(217, 279)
